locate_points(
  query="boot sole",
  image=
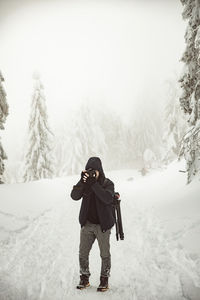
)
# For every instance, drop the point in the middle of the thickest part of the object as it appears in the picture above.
(82, 287)
(102, 289)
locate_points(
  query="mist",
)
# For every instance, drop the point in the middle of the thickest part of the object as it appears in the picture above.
(115, 54)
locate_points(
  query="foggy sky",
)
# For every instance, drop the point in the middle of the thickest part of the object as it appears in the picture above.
(120, 52)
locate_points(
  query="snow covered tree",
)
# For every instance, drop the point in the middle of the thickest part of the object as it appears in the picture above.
(190, 84)
(61, 149)
(38, 160)
(86, 138)
(2, 158)
(147, 128)
(3, 115)
(114, 133)
(149, 159)
(174, 122)
(119, 136)
(145, 138)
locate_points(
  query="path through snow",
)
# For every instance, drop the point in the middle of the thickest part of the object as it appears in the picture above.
(41, 261)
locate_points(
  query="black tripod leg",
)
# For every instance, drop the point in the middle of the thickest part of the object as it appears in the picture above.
(120, 222)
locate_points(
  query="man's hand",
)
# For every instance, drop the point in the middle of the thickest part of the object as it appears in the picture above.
(86, 178)
(83, 176)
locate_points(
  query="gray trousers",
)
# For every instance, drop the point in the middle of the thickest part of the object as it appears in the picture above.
(88, 234)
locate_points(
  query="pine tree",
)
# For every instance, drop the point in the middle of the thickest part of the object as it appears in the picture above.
(118, 140)
(61, 149)
(147, 133)
(86, 139)
(175, 124)
(145, 137)
(3, 115)
(190, 84)
(38, 160)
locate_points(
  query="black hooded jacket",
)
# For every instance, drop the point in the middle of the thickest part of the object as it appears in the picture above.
(102, 192)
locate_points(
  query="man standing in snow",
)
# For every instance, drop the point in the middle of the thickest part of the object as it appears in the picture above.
(96, 218)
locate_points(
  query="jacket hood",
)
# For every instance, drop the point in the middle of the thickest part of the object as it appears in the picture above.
(95, 164)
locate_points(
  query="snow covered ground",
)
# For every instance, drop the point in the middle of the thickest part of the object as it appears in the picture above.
(159, 258)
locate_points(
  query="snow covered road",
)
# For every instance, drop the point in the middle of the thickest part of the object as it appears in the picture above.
(40, 261)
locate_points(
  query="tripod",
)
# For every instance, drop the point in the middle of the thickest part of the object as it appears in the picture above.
(118, 217)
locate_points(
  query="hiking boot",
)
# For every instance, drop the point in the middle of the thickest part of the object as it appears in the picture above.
(84, 282)
(103, 284)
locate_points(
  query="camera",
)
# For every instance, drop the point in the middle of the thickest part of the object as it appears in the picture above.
(91, 172)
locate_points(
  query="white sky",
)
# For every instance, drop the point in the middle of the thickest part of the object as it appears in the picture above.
(115, 51)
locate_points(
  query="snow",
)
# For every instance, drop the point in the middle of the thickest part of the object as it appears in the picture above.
(159, 258)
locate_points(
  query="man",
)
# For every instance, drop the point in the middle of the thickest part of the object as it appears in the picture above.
(96, 218)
